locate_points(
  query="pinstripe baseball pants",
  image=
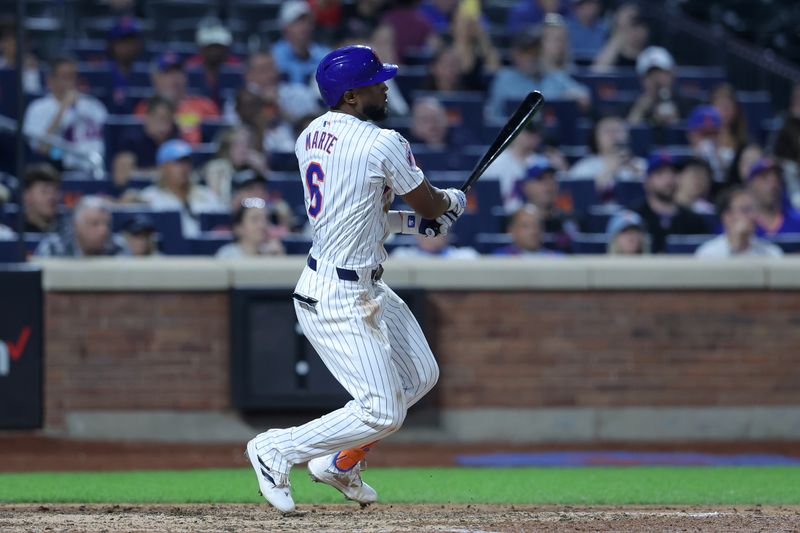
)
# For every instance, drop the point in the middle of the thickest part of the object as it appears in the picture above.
(372, 344)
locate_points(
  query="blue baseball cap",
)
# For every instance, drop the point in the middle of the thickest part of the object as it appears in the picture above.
(658, 160)
(762, 165)
(124, 27)
(173, 150)
(622, 221)
(168, 60)
(704, 118)
(538, 169)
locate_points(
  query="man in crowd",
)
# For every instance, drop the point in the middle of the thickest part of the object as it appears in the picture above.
(659, 104)
(773, 215)
(75, 118)
(214, 41)
(88, 235)
(141, 236)
(526, 234)
(124, 48)
(661, 214)
(40, 198)
(296, 54)
(737, 209)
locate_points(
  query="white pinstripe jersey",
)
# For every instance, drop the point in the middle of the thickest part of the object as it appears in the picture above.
(345, 163)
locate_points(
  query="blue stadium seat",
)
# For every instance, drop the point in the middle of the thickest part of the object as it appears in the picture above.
(297, 244)
(210, 221)
(410, 79)
(87, 50)
(464, 108)
(789, 242)
(697, 81)
(168, 225)
(597, 217)
(628, 193)
(283, 161)
(207, 244)
(559, 116)
(202, 153)
(73, 189)
(589, 243)
(95, 79)
(583, 193)
(229, 78)
(9, 251)
(117, 128)
(685, 244)
(757, 107)
(288, 188)
(486, 243)
(211, 128)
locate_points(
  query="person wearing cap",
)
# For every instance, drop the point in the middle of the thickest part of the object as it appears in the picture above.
(141, 236)
(89, 235)
(124, 48)
(176, 191)
(737, 210)
(525, 230)
(626, 234)
(539, 188)
(77, 119)
(587, 28)
(661, 213)
(251, 231)
(774, 214)
(702, 130)
(659, 105)
(526, 74)
(41, 196)
(214, 41)
(168, 79)
(611, 159)
(629, 36)
(137, 156)
(296, 54)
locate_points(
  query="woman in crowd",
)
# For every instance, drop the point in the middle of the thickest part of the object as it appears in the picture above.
(235, 150)
(251, 231)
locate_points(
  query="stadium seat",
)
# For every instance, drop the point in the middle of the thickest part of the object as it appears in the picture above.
(589, 243)
(685, 244)
(597, 216)
(628, 193)
(117, 128)
(9, 249)
(74, 189)
(582, 192)
(789, 242)
(288, 188)
(207, 244)
(211, 128)
(486, 243)
(297, 244)
(283, 161)
(464, 108)
(210, 221)
(410, 79)
(229, 78)
(168, 225)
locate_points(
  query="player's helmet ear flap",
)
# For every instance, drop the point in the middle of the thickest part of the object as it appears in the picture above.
(350, 67)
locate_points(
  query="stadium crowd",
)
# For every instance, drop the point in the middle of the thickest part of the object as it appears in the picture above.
(194, 142)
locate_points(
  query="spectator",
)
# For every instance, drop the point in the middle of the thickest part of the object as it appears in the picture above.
(525, 14)
(658, 106)
(628, 39)
(75, 118)
(410, 27)
(236, 149)
(140, 236)
(327, 17)
(441, 13)
(31, 79)
(702, 132)
(124, 48)
(214, 41)
(694, 186)
(263, 117)
(250, 230)
(138, 154)
(175, 190)
(744, 159)
(262, 77)
(434, 248)
(612, 160)
(6, 233)
(733, 123)
(540, 189)
(429, 127)
(526, 234)
(360, 18)
(40, 198)
(526, 74)
(249, 183)
(786, 147)
(737, 210)
(626, 234)
(169, 81)
(587, 29)
(88, 235)
(661, 214)
(445, 72)
(296, 55)
(773, 215)
(474, 46)
(556, 55)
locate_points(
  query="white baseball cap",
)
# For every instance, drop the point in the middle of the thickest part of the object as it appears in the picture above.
(293, 10)
(213, 32)
(654, 57)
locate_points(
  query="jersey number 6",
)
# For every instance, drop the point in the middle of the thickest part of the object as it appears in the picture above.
(314, 176)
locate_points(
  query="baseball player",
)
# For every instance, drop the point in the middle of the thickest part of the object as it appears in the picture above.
(364, 333)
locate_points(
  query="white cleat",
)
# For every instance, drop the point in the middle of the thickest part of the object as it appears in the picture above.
(273, 486)
(349, 483)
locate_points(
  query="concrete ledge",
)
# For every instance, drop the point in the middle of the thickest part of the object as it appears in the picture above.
(487, 273)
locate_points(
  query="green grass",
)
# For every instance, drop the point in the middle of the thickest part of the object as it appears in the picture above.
(632, 485)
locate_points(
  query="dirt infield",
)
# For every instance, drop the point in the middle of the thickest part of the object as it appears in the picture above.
(391, 518)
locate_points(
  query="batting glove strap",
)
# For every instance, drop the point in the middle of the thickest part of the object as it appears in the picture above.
(457, 200)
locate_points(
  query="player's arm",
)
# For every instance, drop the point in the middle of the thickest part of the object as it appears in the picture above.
(435, 210)
(427, 201)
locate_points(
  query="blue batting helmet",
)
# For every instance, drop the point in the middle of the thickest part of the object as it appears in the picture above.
(350, 67)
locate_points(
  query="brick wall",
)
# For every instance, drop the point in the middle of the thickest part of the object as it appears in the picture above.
(148, 350)
(160, 350)
(579, 349)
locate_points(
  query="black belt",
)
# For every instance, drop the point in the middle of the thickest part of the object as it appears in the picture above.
(347, 274)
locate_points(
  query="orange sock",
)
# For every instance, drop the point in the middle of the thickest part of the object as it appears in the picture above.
(346, 459)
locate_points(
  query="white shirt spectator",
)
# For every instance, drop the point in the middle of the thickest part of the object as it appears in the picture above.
(201, 199)
(719, 247)
(81, 125)
(592, 165)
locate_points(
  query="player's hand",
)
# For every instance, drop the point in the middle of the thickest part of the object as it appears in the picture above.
(432, 228)
(458, 201)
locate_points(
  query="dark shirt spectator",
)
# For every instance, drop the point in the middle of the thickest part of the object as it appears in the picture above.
(214, 41)
(629, 37)
(694, 186)
(124, 48)
(774, 215)
(659, 105)
(40, 198)
(661, 214)
(412, 30)
(141, 236)
(137, 155)
(88, 235)
(296, 54)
